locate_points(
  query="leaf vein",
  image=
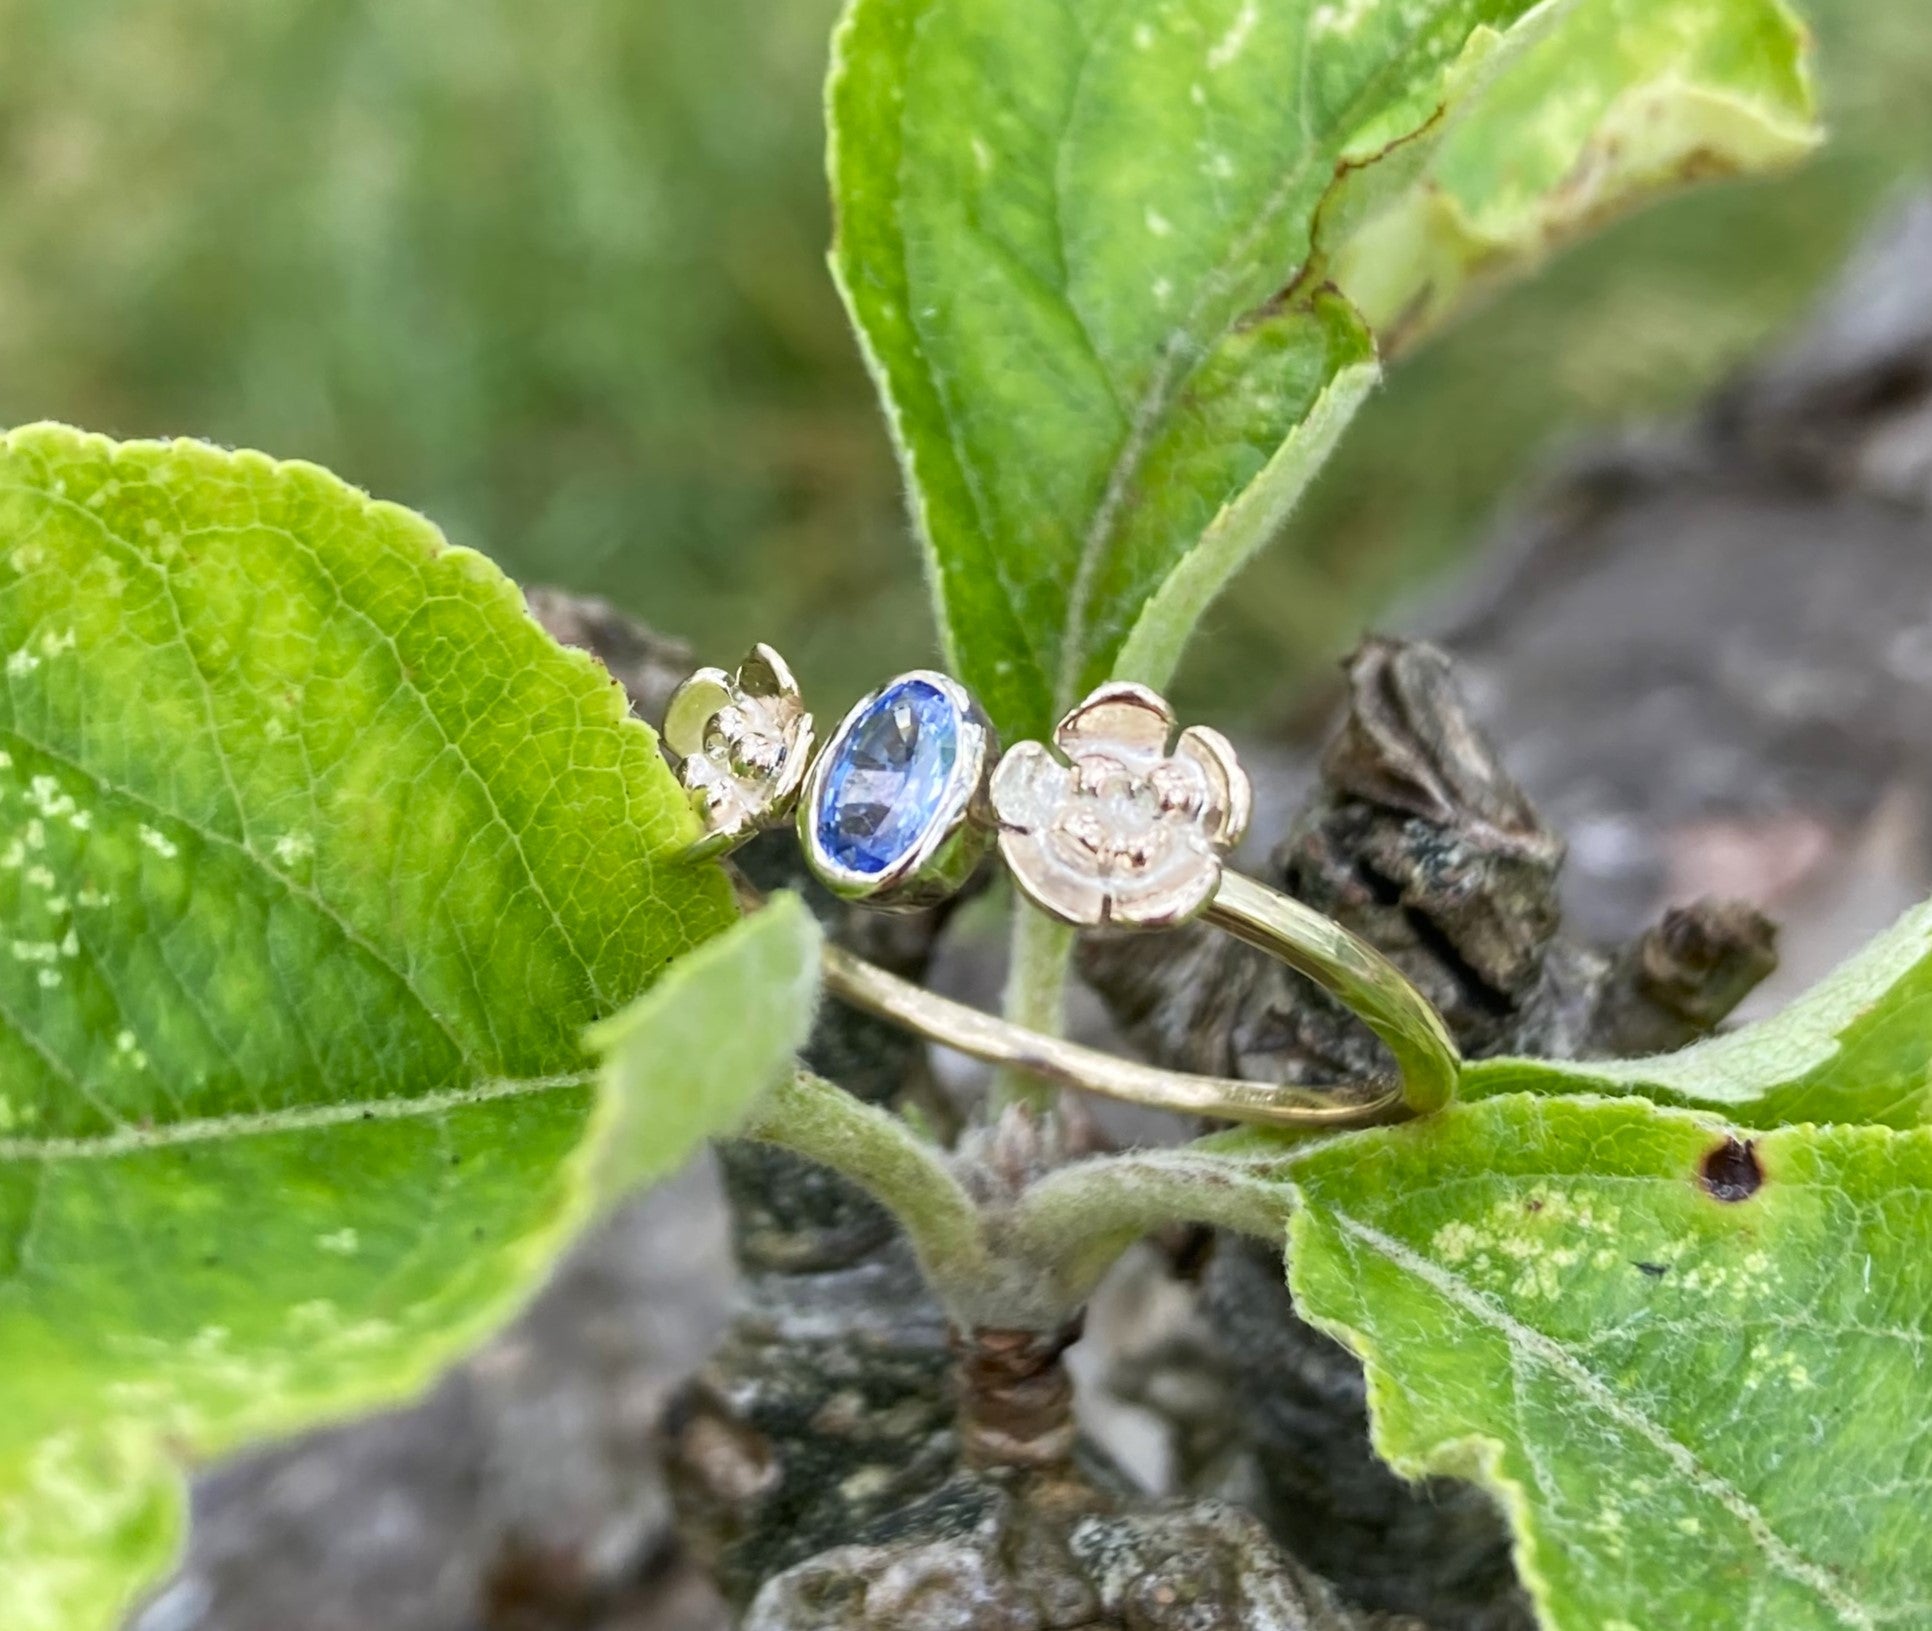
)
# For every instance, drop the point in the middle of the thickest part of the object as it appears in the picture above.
(1781, 1553)
(129, 1140)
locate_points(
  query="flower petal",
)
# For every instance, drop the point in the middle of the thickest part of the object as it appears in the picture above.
(1117, 713)
(764, 673)
(1233, 793)
(692, 707)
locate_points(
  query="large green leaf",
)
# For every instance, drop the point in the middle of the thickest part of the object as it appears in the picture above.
(1857, 1047)
(1694, 1371)
(1079, 242)
(316, 857)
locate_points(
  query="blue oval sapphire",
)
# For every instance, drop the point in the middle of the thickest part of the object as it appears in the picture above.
(886, 779)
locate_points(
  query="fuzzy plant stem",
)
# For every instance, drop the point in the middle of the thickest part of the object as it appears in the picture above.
(894, 1165)
(1036, 996)
(1075, 1222)
(1032, 1261)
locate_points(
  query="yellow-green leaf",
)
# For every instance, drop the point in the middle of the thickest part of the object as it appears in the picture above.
(1857, 1047)
(317, 856)
(1560, 127)
(1093, 252)
(1692, 1367)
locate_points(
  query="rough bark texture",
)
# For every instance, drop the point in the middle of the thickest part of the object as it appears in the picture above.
(1012, 1566)
(1706, 655)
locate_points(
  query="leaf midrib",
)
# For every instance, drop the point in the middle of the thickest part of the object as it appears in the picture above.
(1164, 386)
(1782, 1555)
(131, 1140)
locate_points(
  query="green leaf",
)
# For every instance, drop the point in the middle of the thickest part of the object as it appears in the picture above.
(1696, 1412)
(316, 857)
(687, 1060)
(1562, 125)
(1079, 243)
(1857, 1047)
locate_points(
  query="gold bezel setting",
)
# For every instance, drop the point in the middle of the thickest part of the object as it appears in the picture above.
(953, 832)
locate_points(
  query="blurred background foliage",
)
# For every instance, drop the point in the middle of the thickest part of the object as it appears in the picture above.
(554, 275)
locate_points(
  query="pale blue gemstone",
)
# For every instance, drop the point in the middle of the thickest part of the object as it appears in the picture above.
(886, 781)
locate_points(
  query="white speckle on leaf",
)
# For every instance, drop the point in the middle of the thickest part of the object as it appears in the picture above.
(46, 796)
(1144, 36)
(367, 1334)
(1219, 166)
(21, 662)
(35, 834)
(1455, 1242)
(35, 951)
(160, 843)
(292, 848)
(52, 644)
(343, 1242)
(1158, 224)
(208, 1341)
(317, 1315)
(48, 978)
(1536, 1232)
(982, 156)
(1162, 289)
(1608, 1526)
(1343, 17)
(1235, 41)
(6, 760)
(39, 877)
(91, 897)
(1197, 94)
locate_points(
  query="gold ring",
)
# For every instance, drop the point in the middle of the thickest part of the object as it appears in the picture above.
(1120, 824)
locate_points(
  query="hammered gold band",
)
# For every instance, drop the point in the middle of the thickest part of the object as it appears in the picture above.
(1347, 967)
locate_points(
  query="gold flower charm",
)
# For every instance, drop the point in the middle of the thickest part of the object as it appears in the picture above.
(744, 741)
(1125, 832)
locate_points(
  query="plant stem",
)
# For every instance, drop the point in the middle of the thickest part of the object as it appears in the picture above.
(1076, 1222)
(1036, 995)
(890, 1162)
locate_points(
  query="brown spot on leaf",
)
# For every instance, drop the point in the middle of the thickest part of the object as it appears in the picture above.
(1731, 1172)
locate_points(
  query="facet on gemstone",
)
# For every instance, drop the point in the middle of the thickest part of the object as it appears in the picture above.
(884, 784)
